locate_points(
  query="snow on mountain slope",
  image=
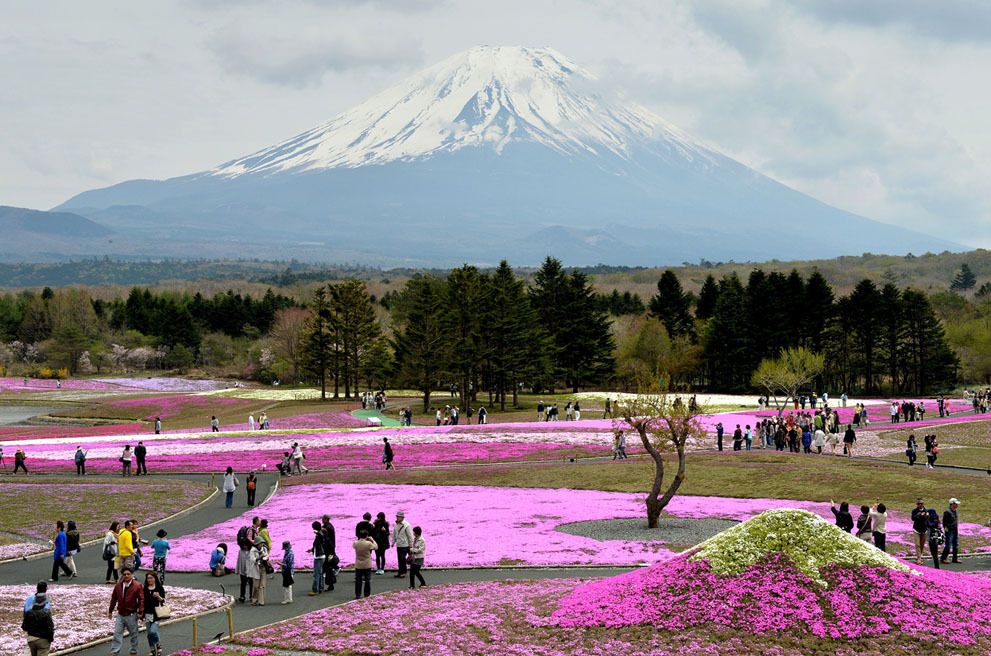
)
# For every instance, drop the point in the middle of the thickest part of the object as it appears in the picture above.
(485, 96)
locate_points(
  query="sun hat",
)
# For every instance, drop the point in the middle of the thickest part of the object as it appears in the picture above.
(400, 513)
(954, 501)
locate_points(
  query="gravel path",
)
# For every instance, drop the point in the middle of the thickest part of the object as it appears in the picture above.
(672, 530)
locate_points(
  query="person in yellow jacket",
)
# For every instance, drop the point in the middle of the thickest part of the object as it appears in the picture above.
(125, 547)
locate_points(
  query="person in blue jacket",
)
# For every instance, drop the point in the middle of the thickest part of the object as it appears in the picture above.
(61, 541)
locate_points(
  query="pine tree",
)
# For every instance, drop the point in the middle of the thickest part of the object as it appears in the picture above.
(964, 280)
(585, 344)
(929, 360)
(357, 328)
(462, 323)
(726, 338)
(865, 320)
(892, 329)
(708, 296)
(318, 344)
(819, 300)
(420, 343)
(672, 305)
(548, 297)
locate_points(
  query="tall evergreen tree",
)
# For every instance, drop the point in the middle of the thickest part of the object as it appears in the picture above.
(929, 360)
(462, 322)
(318, 344)
(891, 312)
(420, 343)
(819, 301)
(585, 344)
(549, 297)
(672, 305)
(726, 339)
(865, 306)
(964, 280)
(708, 296)
(357, 328)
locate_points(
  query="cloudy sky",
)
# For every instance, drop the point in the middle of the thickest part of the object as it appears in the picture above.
(878, 107)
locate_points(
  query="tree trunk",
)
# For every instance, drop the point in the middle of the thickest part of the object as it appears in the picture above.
(323, 385)
(426, 400)
(654, 507)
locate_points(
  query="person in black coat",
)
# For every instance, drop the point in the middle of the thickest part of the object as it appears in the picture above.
(330, 567)
(140, 452)
(382, 533)
(843, 517)
(39, 626)
(364, 525)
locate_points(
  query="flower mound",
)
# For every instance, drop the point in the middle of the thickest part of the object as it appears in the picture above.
(785, 572)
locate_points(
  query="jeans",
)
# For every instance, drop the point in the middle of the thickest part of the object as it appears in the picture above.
(401, 553)
(380, 558)
(362, 576)
(129, 622)
(951, 539)
(749, 443)
(229, 501)
(151, 629)
(318, 573)
(879, 541)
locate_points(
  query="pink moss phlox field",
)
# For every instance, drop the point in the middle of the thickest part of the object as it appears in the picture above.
(493, 524)
(9, 433)
(18, 549)
(772, 595)
(169, 406)
(161, 384)
(80, 613)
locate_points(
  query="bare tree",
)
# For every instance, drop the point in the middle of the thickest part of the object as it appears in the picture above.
(785, 375)
(666, 424)
(286, 336)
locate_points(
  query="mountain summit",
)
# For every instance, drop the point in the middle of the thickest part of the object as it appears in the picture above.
(495, 152)
(485, 97)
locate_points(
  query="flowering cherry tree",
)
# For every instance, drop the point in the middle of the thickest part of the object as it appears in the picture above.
(665, 424)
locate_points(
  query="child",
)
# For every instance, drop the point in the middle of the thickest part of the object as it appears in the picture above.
(288, 565)
(161, 547)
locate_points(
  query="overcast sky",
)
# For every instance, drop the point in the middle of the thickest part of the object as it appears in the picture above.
(879, 107)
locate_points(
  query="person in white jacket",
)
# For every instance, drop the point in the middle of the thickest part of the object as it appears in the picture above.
(417, 552)
(402, 540)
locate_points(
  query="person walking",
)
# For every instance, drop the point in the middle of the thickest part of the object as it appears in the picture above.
(158, 425)
(849, 438)
(140, 453)
(934, 535)
(920, 526)
(154, 598)
(71, 546)
(387, 453)
(251, 421)
(843, 517)
(402, 540)
(330, 565)
(319, 556)
(951, 531)
(364, 546)
(288, 570)
(297, 459)
(258, 571)
(19, 461)
(230, 484)
(59, 553)
(110, 551)
(621, 445)
(932, 451)
(160, 548)
(39, 626)
(911, 448)
(250, 484)
(417, 553)
(80, 460)
(214, 424)
(128, 600)
(126, 546)
(879, 521)
(819, 439)
(381, 533)
(125, 460)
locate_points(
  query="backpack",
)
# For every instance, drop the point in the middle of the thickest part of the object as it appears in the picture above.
(243, 540)
(251, 483)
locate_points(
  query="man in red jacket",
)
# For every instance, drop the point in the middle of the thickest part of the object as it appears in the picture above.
(129, 601)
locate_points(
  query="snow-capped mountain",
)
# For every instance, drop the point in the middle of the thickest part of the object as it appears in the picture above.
(488, 97)
(495, 152)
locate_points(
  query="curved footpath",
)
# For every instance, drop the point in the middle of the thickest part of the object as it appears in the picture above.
(180, 634)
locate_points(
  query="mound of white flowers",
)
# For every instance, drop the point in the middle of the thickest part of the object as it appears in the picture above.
(809, 540)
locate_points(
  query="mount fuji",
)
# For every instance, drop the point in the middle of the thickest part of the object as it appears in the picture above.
(497, 152)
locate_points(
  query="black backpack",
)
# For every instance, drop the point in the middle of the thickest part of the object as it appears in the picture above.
(243, 540)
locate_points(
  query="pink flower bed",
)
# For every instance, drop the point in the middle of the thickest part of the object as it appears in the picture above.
(80, 613)
(35, 384)
(163, 384)
(507, 524)
(169, 406)
(772, 595)
(69, 432)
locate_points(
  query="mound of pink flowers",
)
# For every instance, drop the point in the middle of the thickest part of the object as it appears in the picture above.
(36, 384)
(752, 581)
(165, 384)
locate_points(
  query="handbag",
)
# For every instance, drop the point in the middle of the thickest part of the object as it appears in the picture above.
(163, 612)
(109, 551)
(268, 567)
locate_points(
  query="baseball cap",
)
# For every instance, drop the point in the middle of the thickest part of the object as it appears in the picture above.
(954, 500)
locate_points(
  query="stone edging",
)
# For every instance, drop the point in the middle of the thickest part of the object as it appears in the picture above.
(92, 643)
(181, 513)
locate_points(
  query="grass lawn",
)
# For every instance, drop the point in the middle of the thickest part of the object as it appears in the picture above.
(30, 506)
(966, 433)
(742, 475)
